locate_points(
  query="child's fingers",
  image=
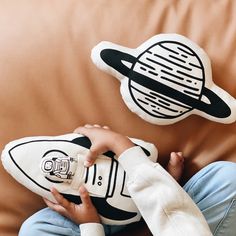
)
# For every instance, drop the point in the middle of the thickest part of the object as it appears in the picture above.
(96, 125)
(60, 199)
(48, 203)
(91, 156)
(55, 207)
(82, 129)
(63, 206)
(88, 162)
(85, 198)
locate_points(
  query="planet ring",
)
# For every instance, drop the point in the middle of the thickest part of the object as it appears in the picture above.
(114, 59)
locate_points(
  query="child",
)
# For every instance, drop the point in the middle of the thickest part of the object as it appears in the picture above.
(164, 205)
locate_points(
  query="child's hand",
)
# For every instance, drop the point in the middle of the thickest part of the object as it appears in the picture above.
(103, 139)
(82, 213)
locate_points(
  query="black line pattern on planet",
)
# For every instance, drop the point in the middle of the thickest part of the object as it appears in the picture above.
(166, 79)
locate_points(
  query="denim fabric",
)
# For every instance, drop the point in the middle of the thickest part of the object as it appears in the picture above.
(213, 189)
(47, 222)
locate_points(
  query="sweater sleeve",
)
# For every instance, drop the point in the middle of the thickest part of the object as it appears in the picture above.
(91, 229)
(162, 202)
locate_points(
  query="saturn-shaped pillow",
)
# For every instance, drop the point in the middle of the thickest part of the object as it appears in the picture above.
(166, 79)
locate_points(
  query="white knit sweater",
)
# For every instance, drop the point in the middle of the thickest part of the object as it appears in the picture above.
(165, 206)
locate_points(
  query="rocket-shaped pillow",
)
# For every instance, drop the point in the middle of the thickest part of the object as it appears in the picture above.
(166, 79)
(42, 162)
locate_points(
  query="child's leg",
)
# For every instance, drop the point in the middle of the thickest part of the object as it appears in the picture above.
(213, 189)
(47, 222)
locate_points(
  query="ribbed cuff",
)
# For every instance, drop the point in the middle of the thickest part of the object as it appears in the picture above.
(92, 229)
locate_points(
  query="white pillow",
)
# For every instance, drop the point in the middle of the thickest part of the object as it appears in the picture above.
(40, 163)
(166, 79)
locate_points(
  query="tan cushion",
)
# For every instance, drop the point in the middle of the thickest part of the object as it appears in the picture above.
(49, 85)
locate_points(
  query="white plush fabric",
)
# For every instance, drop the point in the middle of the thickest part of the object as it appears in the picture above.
(40, 163)
(166, 79)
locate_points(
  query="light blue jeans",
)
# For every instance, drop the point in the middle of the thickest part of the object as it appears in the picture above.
(213, 189)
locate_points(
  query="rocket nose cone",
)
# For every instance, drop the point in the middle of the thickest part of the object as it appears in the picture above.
(6, 157)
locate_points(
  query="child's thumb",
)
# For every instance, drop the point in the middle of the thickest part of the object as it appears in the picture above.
(91, 156)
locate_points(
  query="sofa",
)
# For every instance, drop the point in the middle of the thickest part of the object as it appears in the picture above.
(50, 86)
